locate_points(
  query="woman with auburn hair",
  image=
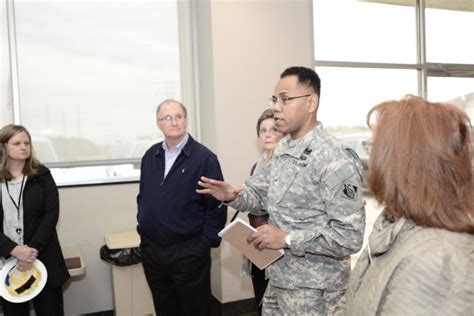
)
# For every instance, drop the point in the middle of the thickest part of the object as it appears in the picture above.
(420, 255)
(29, 211)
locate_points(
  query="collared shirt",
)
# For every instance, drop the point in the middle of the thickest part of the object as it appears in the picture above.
(172, 154)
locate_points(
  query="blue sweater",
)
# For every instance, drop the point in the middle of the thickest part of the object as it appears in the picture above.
(169, 209)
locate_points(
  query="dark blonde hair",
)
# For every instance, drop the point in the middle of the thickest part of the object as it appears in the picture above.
(31, 164)
(420, 163)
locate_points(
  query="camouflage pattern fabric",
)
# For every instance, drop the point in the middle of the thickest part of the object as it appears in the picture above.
(300, 302)
(312, 190)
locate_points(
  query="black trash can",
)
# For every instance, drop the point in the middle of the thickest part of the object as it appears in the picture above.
(121, 257)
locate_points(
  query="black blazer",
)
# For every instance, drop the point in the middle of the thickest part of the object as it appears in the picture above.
(40, 216)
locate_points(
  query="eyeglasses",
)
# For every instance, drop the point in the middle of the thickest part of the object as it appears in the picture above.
(169, 118)
(284, 99)
(271, 131)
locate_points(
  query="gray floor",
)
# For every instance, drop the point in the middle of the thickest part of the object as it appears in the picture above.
(111, 313)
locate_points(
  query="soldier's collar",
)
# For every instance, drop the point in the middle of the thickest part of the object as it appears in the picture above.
(300, 148)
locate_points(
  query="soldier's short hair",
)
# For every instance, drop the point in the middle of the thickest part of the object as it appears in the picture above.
(306, 76)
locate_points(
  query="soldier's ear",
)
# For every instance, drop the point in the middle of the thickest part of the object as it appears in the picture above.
(313, 103)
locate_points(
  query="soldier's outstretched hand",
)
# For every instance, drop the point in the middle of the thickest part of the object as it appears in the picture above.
(221, 190)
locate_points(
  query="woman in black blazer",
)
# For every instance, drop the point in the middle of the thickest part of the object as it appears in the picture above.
(29, 212)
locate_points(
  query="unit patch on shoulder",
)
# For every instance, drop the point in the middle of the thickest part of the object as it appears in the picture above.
(349, 192)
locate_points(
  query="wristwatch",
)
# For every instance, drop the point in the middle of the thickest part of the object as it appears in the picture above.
(288, 240)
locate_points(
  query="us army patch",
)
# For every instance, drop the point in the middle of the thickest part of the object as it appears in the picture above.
(349, 192)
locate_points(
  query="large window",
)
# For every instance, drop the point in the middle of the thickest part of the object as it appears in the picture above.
(371, 51)
(363, 32)
(89, 77)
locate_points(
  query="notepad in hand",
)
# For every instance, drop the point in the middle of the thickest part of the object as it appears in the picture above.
(236, 234)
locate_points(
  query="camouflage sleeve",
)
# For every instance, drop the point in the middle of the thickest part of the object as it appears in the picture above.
(255, 191)
(343, 233)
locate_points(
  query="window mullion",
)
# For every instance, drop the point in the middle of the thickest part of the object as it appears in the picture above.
(421, 47)
(450, 70)
(13, 60)
(351, 64)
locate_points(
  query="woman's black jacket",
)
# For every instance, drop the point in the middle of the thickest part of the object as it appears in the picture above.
(40, 216)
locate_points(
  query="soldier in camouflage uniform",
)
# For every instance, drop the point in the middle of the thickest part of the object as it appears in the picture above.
(312, 190)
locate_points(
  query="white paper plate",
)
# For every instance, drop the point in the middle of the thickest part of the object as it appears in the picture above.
(9, 265)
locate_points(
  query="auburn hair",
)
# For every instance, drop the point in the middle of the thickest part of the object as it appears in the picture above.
(420, 163)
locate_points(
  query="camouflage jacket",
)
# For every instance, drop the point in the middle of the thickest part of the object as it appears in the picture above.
(312, 190)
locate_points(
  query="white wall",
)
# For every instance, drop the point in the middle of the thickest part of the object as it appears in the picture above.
(251, 43)
(243, 47)
(87, 214)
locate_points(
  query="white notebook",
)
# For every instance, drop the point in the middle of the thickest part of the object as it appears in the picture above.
(236, 234)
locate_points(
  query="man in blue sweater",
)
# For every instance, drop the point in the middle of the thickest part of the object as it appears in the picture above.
(178, 226)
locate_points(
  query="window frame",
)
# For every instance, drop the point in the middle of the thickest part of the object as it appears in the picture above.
(424, 69)
(187, 21)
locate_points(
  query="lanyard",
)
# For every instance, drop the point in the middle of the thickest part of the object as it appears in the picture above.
(17, 206)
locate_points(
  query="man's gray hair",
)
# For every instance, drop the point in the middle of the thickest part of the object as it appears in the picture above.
(171, 101)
